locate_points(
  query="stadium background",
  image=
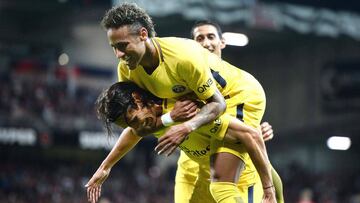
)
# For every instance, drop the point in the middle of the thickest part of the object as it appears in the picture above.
(55, 59)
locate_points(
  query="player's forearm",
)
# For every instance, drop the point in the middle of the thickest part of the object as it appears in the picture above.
(240, 132)
(257, 152)
(210, 111)
(124, 144)
(261, 143)
(260, 161)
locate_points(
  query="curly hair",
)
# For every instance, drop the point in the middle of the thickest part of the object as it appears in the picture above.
(128, 14)
(206, 22)
(115, 101)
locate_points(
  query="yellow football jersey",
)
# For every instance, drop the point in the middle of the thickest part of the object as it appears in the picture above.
(183, 68)
(186, 67)
(197, 144)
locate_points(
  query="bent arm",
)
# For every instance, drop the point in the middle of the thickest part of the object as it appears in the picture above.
(184, 109)
(187, 110)
(176, 134)
(213, 108)
(238, 131)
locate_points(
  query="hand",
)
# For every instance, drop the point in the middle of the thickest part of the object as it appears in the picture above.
(172, 138)
(93, 187)
(183, 110)
(269, 195)
(267, 131)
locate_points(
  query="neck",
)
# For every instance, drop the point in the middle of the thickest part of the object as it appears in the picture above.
(151, 58)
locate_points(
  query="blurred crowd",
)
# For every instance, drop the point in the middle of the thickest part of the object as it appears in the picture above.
(34, 95)
(64, 183)
(130, 183)
(303, 185)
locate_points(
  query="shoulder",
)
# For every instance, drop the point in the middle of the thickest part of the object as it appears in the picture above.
(176, 40)
(180, 46)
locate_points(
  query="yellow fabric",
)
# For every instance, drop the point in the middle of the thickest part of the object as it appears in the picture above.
(192, 182)
(253, 110)
(197, 144)
(193, 171)
(196, 147)
(189, 68)
(225, 192)
(184, 70)
(193, 193)
(257, 191)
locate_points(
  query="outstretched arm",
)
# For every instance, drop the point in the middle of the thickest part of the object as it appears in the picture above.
(254, 144)
(127, 140)
(176, 134)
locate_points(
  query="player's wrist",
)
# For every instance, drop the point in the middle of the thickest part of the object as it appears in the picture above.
(268, 187)
(191, 127)
(105, 168)
(166, 119)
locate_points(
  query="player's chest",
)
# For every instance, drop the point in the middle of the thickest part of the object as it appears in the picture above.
(163, 82)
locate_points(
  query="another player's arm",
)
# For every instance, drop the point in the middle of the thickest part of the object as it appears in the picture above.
(214, 107)
(127, 140)
(183, 110)
(249, 137)
(267, 131)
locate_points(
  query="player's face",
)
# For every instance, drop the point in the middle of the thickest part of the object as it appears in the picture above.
(128, 45)
(209, 38)
(142, 118)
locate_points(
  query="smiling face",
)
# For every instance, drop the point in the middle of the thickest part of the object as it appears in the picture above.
(128, 44)
(141, 117)
(208, 37)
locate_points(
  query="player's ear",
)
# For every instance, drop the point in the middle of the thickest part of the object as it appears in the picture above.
(223, 43)
(143, 34)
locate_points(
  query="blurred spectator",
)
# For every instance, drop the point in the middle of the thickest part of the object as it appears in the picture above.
(64, 183)
(60, 182)
(306, 196)
(30, 98)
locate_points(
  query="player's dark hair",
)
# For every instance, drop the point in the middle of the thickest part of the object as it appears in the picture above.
(128, 14)
(206, 22)
(115, 101)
